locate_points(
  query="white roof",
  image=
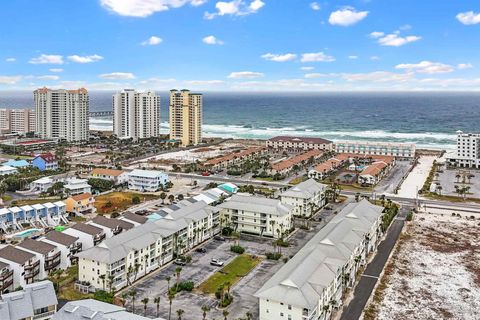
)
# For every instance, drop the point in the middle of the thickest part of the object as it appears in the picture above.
(256, 204)
(4, 211)
(59, 204)
(15, 209)
(7, 168)
(38, 206)
(49, 205)
(26, 207)
(43, 180)
(301, 281)
(146, 173)
(304, 190)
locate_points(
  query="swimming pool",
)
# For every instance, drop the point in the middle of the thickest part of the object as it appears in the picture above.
(26, 233)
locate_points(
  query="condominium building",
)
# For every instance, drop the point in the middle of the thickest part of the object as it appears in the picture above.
(148, 245)
(36, 301)
(256, 215)
(467, 153)
(398, 150)
(62, 114)
(186, 117)
(310, 285)
(136, 114)
(299, 143)
(25, 265)
(18, 121)
(91, 309)
(147, 180)
(307, 197)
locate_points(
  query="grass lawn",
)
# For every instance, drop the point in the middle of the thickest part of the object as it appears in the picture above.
(232, 273)
(298, 180)
(24, 202)
(66, 281)
(450, 198)
(119, 201)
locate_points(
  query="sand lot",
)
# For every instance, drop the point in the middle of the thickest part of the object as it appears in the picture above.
(434, 272)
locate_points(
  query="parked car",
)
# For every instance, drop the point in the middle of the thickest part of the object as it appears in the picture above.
(180, 262)
(205, 174)
(201, 250)
(216, 262)
(219, 238)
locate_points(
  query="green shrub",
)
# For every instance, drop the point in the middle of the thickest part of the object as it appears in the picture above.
(273, 255)
(409, 216)
(237, 249)
(104, 296)
(136, 200)
(227, 231)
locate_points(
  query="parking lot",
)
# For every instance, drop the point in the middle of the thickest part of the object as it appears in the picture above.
(448, 179)
(199, 270)
(393, 178)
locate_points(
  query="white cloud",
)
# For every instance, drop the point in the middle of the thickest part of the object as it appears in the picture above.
(426, 67)
(463, 66)
(378, 76)
(316, 57)
(152, 41)
(235, 8)
(405, 27)
(469, 18)
(212, 40)
(48, 77)
(204, 82)
(307, 68)
(346, 17)
(393, 39)
(47, 59)
(279, 57)
(55, 70)
(10, 79)
(245, 75)
(145, 8)
(353, 57)
(374, 58)
(317, 75)
(85, 59)
(315, 6)
(10, 60)
(118, 76)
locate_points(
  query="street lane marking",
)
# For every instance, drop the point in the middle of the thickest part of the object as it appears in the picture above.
(369, 276)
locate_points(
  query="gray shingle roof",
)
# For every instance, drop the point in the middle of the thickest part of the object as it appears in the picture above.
(112, 223)
(134, 217)
(87, 228)
(37, 246)
(61, 238)
(301, 281)
(256, 204)
(16, 255)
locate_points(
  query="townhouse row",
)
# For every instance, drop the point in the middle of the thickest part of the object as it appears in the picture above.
(310, 285)
(286, 166)
(36, 215)
(232, 159)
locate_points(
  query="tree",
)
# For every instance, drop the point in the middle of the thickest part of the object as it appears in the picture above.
(205, 309)
(133, 295)
(180, 197)
(124, 298)
(171, 198)
(171, 296)
(179, 313)
(102, 277)
(136, 200)
(225, 314)
(178, 271)
(101, 185)
(168, 282)
(163, 196)
(145, 302)
(156, 300)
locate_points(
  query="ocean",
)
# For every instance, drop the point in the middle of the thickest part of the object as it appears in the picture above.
(427, 119)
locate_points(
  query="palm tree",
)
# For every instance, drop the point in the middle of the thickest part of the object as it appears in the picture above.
(178, 270)
(133, 295)
(225, 314)
(102, 277)
(145, 302)
(163, 196)
(171, 296)
(179, 313)
(249, 315)
(168, 282)
(171, 198)
(205, 309)
(124, 298)
(156, 300)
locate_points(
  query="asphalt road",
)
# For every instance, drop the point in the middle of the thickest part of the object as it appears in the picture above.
(370, 276)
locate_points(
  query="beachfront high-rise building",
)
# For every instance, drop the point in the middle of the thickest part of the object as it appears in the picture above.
(467, 154)
(62, 114)
(186, 117)
(18, 121)
(136, 114)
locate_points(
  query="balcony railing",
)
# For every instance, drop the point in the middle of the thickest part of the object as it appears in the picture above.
(52, 261)
(77, 247)
(32, 266)
(43, 315)
(98, 238)
(117, 231)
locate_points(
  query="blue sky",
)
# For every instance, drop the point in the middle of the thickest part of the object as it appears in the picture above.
(243, 45)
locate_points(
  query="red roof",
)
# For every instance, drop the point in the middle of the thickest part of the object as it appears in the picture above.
(48, 157)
